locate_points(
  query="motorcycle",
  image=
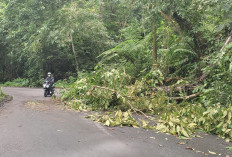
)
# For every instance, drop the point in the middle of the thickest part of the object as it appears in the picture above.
(48, 89)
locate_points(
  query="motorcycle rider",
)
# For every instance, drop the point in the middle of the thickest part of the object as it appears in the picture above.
(50, 80)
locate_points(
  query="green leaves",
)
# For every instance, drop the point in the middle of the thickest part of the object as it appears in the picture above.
(229, 148)
(133, 55)
(216, 119)
(118, 118)
(2, 95)
(19, 82)
(111, 90)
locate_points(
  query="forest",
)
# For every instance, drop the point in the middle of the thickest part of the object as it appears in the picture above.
(156, 58)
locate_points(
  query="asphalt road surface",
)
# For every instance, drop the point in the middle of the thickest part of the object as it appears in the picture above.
(34, 126)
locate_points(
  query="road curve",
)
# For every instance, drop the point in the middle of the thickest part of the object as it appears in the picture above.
(34, 126)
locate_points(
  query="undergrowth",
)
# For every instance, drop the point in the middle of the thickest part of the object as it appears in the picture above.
(19, 82)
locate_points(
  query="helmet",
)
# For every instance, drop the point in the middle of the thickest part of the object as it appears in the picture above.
(49, 73)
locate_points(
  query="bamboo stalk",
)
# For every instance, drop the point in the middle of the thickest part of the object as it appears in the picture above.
(154, 54)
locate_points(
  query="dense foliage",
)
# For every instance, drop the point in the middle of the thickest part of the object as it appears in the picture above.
(171, 59)
(42, 36)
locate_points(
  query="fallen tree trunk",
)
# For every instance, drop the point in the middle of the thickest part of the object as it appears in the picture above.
(178, 88)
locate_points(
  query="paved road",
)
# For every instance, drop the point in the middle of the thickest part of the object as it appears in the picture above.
(34, 126)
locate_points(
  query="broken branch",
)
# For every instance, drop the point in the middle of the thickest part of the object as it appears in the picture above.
(186, 97)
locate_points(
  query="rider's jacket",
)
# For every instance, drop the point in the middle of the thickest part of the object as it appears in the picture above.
(50, 79)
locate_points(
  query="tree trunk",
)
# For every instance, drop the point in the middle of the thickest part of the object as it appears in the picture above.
(100, 7)
(74, 52)
(154, 54)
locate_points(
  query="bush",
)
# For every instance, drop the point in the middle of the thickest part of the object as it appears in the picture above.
(19, 82)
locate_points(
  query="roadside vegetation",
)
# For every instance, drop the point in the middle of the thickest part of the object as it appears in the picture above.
(23, 82)
(2, 95)
(168, 61)
(19, 82)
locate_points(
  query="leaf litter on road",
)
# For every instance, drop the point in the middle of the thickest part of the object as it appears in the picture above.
(181, 143)
(212, 152)
(37, 105)
(42, 106)
(189, 148)
(59, 131)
